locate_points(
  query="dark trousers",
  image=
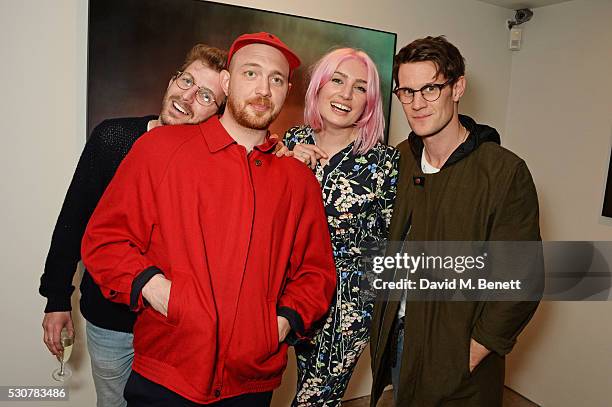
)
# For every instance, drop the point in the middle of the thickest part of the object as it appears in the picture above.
(142, 392)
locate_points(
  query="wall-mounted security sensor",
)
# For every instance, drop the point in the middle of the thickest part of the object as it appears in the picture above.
(516, 34)
(521, 16)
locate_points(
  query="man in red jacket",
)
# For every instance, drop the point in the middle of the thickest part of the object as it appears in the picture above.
(193, 95)
(219, 245)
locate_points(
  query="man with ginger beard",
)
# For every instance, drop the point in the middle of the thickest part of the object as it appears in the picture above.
(221, 247)
(193, 95)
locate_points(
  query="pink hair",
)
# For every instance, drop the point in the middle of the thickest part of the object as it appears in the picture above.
(371, 124)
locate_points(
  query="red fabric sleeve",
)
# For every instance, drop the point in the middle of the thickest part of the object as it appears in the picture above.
(117, 238)
(311, 281)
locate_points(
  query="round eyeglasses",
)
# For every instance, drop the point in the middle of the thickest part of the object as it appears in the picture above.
(204, 96)
(430, 92)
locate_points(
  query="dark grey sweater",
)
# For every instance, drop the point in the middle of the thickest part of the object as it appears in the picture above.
(108, 145)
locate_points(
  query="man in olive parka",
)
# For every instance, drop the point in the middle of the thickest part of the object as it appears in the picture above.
(456, 184)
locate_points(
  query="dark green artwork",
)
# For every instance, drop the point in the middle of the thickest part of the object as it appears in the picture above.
(135, 46)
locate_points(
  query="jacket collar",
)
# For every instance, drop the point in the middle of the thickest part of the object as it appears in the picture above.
(268, 145)
(479, 134)
(217, 138)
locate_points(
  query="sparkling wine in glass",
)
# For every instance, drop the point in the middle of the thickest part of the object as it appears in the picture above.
(63, 373)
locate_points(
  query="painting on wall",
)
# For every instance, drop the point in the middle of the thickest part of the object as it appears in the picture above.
(135, 46)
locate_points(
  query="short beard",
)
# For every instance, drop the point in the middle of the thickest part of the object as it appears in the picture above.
(248, 120)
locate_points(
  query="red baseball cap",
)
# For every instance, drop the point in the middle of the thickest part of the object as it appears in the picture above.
(268, 39)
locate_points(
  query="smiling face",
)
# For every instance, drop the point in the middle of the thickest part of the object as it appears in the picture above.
(342, 100)
(256, 85)
(429, 118)
(181, 107)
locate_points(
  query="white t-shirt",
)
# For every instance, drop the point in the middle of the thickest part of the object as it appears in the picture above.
(427, 168)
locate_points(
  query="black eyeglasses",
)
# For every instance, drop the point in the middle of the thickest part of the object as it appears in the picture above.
(430, 92)
(204, 96)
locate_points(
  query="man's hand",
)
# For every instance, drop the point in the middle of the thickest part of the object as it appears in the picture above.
(52, 324)
(477, 354)
(157, 292)
(283, 328)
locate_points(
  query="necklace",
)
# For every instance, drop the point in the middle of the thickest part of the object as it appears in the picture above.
(426, 153)
(465, 136)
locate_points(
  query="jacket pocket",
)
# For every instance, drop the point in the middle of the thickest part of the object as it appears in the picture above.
(273, 339)
(177, 295)
(478, 366)
(175, 298)
(466, 364)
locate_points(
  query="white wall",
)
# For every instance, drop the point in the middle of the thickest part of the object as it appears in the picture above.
(43, 47)
(43, 56)
(560, 121)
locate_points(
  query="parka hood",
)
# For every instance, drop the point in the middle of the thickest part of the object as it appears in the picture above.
(479, 134)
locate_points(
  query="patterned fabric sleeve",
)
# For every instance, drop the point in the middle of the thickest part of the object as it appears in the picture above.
(386, 193)
(298, 134)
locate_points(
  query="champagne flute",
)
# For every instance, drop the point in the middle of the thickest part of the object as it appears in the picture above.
(63, 373)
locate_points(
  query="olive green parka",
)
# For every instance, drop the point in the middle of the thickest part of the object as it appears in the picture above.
(483, 193)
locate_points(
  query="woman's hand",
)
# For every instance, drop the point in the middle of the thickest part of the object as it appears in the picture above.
(281, 150)
(309, 154)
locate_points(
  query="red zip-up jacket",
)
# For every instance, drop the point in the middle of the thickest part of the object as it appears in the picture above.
(243, 238)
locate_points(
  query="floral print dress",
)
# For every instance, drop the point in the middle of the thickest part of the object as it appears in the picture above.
(358, 194)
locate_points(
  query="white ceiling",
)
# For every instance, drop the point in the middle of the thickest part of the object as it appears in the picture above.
(516, 4)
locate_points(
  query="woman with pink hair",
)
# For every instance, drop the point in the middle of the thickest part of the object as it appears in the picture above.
(342, 142)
